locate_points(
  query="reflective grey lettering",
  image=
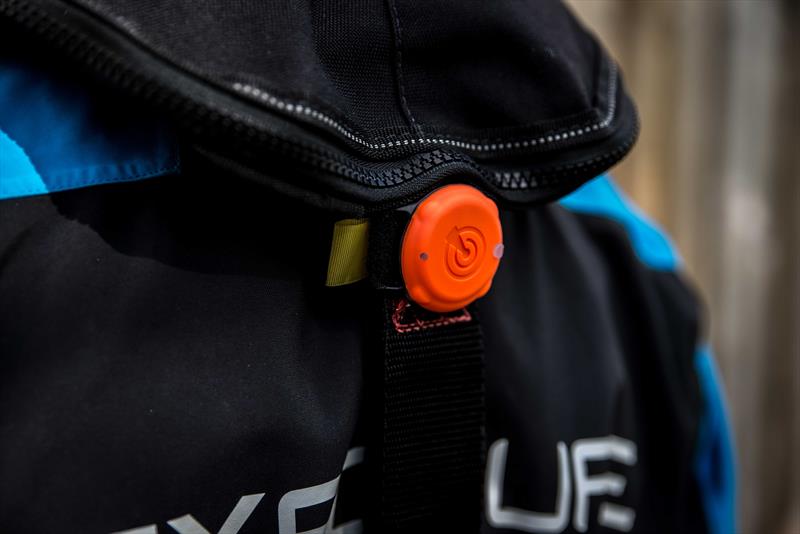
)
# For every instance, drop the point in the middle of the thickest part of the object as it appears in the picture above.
(354, 457)
(149, 529)
(244, 508)
(499, 516)
(303, 498)
(614, 516)
(596, 450)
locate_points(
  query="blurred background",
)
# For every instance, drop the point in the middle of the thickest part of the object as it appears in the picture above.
(718, 166)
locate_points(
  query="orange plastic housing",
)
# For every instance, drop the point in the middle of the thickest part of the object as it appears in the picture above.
(451, 248)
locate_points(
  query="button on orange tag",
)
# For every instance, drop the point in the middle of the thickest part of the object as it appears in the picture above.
(451, 248)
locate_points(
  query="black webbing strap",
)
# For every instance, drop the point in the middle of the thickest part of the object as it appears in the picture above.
(433, 420)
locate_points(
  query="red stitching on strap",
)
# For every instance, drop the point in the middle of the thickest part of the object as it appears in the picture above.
(406, 319)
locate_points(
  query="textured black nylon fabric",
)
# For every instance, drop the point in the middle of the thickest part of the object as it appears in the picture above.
(433, 421)
(158, 362)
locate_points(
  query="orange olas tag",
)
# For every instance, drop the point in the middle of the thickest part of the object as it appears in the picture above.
(451, 248)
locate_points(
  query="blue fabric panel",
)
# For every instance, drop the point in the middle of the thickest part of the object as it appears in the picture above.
(715, 466)
(17, 173)
(602, 197)
(54, 135)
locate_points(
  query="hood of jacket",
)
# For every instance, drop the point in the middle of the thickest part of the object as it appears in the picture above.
(364, 106)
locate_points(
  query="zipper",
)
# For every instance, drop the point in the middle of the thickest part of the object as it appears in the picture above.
(93, 43)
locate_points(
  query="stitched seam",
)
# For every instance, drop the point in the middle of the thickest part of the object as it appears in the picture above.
(422, 324)
(398, 34)
(307, 111)
(671, 266)
(76, 184)
(525, 179)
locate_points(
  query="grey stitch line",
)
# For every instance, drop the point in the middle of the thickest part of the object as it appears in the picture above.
(398, 30)
(300, 109)
(517, 180)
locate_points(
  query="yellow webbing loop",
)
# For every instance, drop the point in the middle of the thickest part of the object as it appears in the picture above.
(348, 261)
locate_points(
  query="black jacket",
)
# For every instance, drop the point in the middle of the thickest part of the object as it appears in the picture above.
(173, 360)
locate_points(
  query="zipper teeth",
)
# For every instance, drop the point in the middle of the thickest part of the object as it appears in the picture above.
(559, 174)
(207, 121)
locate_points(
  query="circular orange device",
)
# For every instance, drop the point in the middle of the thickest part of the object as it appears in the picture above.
(451, 248)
